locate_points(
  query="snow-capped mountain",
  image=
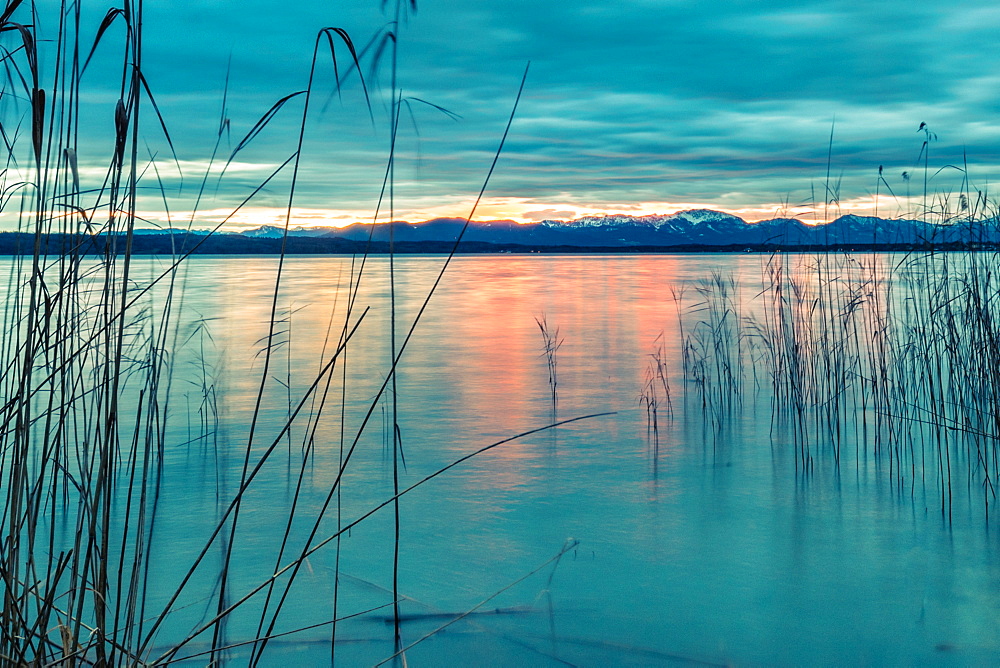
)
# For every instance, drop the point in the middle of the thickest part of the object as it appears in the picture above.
(688, 218)
(265, 232)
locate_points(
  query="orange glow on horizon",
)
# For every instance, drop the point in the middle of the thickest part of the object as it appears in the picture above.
(524, 211)
(519, 210)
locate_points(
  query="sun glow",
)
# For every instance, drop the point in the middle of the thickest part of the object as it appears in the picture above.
(520, 210)
(523, 210)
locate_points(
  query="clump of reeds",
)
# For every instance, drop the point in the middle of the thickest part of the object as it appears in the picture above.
(551, 342)
(895, 354)
(655, 393)
(715, 345)
(88, 396)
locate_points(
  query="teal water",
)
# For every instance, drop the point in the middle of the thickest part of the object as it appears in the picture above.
(707, 545)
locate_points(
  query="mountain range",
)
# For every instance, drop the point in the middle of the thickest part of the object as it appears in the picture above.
(697, 227)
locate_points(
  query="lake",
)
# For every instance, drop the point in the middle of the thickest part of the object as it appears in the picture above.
(726, 535)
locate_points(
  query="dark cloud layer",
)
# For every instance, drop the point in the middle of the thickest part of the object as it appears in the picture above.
(726, 103)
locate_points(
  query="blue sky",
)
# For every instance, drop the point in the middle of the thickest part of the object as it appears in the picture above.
(635, 106)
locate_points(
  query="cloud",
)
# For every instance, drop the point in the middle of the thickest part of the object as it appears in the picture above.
(548, 214)
(730, 103)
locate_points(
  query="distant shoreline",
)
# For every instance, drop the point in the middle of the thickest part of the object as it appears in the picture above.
(21, 244)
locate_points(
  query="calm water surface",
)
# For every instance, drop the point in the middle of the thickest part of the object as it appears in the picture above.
(708, 548)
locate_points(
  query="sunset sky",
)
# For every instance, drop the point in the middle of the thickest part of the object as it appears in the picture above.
(634, 106)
